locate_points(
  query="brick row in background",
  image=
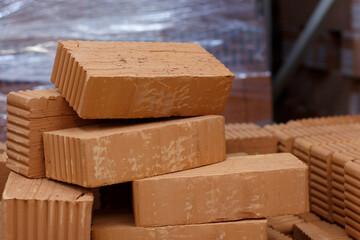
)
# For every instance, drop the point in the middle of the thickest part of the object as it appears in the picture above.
(330, 146)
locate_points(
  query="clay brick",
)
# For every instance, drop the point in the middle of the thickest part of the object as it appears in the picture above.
(276, 235)
(4, 171)
(319, 230)
(249, 138)
(314, 122)
(339, 161)
(352, 196)
(30, 113)
(309, 217)
(111, 225)
(45, 209)
(331, 198)
(326, 193)
(302, 145)
(284, 224)
(288, 133)
(99, 155)
(241, 187)
(330, 120)
(320, 180)
(140, 80)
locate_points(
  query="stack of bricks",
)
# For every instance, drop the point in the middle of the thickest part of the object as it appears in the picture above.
(320, 158)
(331, 148)
(67, 147)
(287, 133)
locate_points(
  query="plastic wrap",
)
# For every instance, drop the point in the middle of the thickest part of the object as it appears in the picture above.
(233, 30)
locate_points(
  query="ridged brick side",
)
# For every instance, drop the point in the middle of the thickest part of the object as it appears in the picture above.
(42, 220)
(68, 76)
(327, 176)
(338, 182)
(237, 131)
(56, 63)
(79, 89)
(284, 224)
(42, 209)
(62, 159)
(276, 235)
(18, 128)
(320, 195)
(28, 115)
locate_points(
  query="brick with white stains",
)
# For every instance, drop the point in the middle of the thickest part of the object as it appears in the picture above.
(110, 153)
(241, 187)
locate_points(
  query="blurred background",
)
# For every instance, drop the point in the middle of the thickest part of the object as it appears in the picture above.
(254, 38)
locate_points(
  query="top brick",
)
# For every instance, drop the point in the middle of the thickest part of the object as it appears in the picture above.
(140, 80)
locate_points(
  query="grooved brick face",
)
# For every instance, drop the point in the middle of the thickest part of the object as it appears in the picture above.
(44, 209)
(30, 113)
(140, 80)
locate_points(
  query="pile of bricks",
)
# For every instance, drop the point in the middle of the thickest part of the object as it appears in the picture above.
(73, 149)
(330, 147)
